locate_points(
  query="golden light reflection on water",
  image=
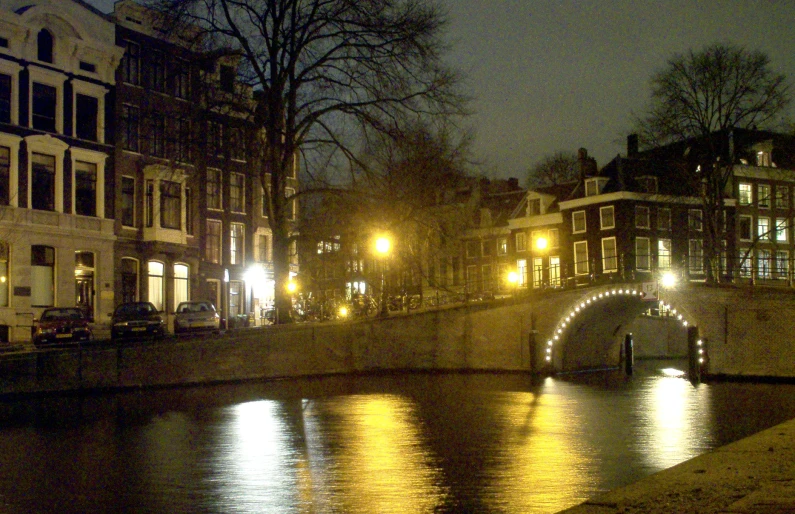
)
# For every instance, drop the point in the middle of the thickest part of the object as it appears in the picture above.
(673, 414)
(383, 464)
(545, 469)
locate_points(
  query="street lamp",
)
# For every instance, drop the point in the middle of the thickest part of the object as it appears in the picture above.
(382, 247)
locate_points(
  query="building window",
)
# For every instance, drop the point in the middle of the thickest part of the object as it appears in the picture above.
(763, 158)
(213, 243)
(642, 217)
(521, 242)
(156, 282)
(181, 78)
(764, 263)
(131, 64)
(763, 228)
(502, 246)
(607, 217)
(189, 211)
(664, 254)
(237, 146)
(263, 248)
(642, 253)
(746, 194)
(42, 276)
(4, 278)
(648, 184)
(44, 42)
(180, 149)
(763, 196)
(472, 278)
(289, 194)
(782, 197)
(157, 137)
(5, 98)
(781, 264)
(236, 239)
(781, 230)
(86, 111)
(554, 238)
(235, 298)
(45, 102)
(744, 224)
(664, 219)
(130, 128)
(696, 256)
(43, 178)
(486, 278)
(534, 207)
(214, 189)
(5, 175)
(487, 247)
(609, 255)
(581, 258)
(157, 70)
(695, 220)
(237, 188)
(577, 222)
(129, 280)
(170, 204)
(181, 276)
(521, 270)
(591, 188)
(150, 203)
(746, 258)
(214, 139)
(128, 201)
(265, 199)
(85, 188)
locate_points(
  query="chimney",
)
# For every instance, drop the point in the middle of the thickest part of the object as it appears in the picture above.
(513, 183)
(582, 163)
(632, 145)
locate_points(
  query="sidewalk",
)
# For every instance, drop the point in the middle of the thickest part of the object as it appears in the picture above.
(755, 475)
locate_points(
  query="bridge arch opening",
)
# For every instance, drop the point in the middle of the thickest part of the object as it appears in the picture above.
(590, 335)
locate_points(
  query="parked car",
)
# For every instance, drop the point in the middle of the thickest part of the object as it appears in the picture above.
(60, 325)
(196, 317)
(137, 320)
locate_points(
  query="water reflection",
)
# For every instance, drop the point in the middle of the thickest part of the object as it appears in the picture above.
(392, 443)
(672, 414)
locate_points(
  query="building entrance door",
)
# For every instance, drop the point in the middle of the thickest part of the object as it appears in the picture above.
(84, 283)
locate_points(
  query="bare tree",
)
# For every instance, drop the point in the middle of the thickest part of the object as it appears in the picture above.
(321, 70)
(698, 98)
(558, 168)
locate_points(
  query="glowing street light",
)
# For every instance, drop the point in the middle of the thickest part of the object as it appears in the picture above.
(541, 243)
(513, 279)
(668, 280)
(292, 287)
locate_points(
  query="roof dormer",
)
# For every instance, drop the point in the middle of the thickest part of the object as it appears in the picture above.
(595, 185)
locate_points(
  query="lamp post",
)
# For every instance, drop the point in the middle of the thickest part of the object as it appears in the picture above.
(382, 247)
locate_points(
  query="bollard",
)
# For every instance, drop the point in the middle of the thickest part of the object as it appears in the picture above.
(629, 355)
(694, 344)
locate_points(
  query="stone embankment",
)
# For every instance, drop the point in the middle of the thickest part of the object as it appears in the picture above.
(755, 475)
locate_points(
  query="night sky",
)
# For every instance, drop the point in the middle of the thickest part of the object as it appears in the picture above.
(561, 75)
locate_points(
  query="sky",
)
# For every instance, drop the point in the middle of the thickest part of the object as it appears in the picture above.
(559, 75)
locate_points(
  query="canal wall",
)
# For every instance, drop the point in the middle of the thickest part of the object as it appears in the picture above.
(497, 336)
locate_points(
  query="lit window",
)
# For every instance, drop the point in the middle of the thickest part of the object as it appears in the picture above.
(155, 278)
(763, 228)
(781, 264)
(581, 257)
(664, 254)
(236, 243)
(212, 243)
(42, 276)
(764, 263)
(502, 246)
(609, 255)
(180, 284)
(746, 194)
(781, 229)
(782, 197)
(763, 158)
(214, 189)
(236, 192)
(763, 196)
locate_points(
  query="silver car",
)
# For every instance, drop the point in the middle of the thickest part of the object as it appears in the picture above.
(199, 316)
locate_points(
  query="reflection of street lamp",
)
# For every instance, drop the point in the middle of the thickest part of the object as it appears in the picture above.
(382, 246)
(226, 299)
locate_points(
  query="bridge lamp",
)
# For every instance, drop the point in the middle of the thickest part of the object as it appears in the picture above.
(668, 280)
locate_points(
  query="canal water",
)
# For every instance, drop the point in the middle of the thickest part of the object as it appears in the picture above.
(393, 443)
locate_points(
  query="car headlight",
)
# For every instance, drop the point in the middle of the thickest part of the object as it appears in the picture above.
(45, 330)
(120, 324)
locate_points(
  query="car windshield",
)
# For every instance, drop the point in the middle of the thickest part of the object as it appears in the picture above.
(195, 307)
(61, 314)
(135, 309)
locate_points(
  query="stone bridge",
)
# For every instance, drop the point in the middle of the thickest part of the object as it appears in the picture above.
(747, 330)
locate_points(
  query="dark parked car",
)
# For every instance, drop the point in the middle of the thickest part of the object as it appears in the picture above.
(196, 317)
(137, 320)
(60, 326)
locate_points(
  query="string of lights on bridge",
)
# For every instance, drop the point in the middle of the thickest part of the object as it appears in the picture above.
(588, 301)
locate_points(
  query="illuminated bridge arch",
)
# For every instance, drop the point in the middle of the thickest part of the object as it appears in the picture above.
(589, 331)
